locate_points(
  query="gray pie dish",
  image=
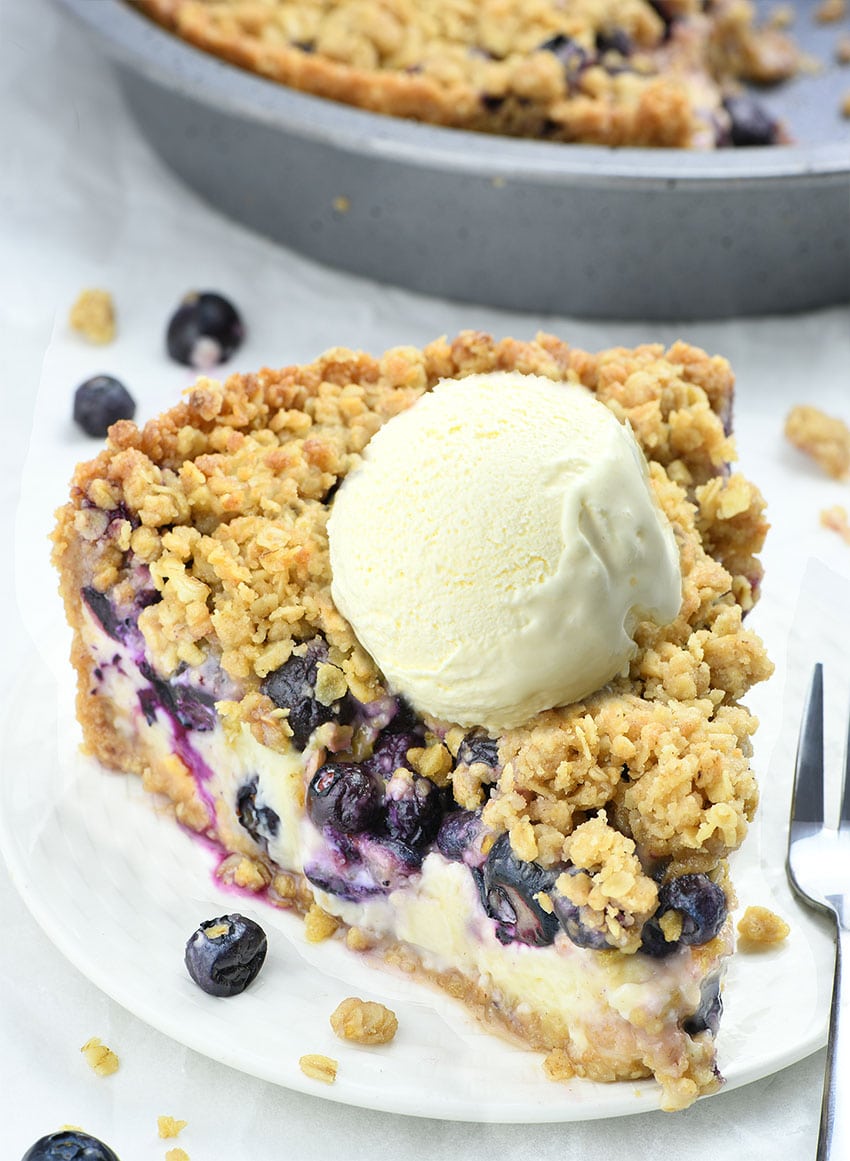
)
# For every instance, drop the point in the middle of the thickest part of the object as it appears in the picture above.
(526, 225)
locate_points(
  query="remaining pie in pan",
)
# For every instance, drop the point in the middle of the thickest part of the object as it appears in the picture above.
(531, 802)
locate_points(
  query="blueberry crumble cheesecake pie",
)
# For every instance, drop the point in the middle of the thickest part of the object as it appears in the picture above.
(448, 646)
(665, 73)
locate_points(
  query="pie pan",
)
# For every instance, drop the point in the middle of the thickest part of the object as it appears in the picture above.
(526, 225)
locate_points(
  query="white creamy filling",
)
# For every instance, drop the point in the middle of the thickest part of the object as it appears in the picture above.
(438, 911)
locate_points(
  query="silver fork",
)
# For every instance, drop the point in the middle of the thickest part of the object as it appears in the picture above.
(819, 871)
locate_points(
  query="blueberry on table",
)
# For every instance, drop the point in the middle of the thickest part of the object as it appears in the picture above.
(204, 330)
(69, 1145)
(344, 795)
(224, 955)
(100, 402)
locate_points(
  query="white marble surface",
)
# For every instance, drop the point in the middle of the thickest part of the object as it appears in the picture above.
(83, 201)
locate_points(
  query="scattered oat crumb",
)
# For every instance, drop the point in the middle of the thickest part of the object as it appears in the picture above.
(319, 1067)
(342, 205)
(102, 1059)
(558, 1065)
(364, 1022)
(823, 437)
(828, 11)
(835, 519)
(759, 926)
(244, 872)
(177, 1154)
(93, 316)
(845, 105)
(842, 50)
(782, 16)
(319, 925)
(169, 1127)
(356, 939)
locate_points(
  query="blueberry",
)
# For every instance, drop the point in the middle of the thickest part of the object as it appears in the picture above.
(204, 330)
(616, 41)
(458, 834)
(193, 709)
(101, 609)
(344, 795)
(390, 752)
(569, 52)
(261, 822)
(293, 687)
(100, 402)
(572, 920)
(69, 1145)
(224, 955)
(701, 906)
(508, 886)
(707, 1016)
(478, 748)
(750, 123)
(414, 816)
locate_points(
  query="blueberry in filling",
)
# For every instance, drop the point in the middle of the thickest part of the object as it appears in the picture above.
(508, 888)
(293, 687)
(224, 955)
(615, 41)
(701, 906)
(458, 835)
(707, 1016)
(101, 609)
(69, 1145)
(204, 330)
(573, 920)
(478, 748)
(750, 123)
(344, 795)
(193, 709)
(100, 402)
(261, 822)
(390, 752)
(413, 811)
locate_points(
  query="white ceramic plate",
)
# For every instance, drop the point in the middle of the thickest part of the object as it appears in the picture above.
(119, 888)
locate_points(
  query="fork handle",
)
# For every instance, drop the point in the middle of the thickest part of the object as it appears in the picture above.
(834, 1138)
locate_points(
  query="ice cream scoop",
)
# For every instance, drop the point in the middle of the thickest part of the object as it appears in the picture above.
(496, 547)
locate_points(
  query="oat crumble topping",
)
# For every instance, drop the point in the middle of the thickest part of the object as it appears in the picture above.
(102, 1059)
(364, 1022)
(759, 926)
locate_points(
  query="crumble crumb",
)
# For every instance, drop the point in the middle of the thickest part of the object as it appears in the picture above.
(782, 16)
(823, 437)
(342, 205)
(177, 1154)
(93, 316)
(356, 939)
(319, 925)
(242, 871)
(842, 50)
(102, 1059)
(835, 519)
(845, 105)
(558, 1065)
(364, 1022)
(830, 11)
(434, 762)
(169, 1127)
(759, 926)
(319, 1067)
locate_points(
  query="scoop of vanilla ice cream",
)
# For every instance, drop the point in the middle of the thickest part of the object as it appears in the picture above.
(497, 546)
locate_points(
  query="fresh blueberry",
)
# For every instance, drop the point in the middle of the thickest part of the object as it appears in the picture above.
(69, 1145)
(750, 123)
(100, 402)
(344, 795)
(261, 822)
(701, 906)
(414, 815)
(224, 955)
(293, 687)
(508, 888)
(478, 748)
(204, 330)
(458, 834)
(707, 1016)
(570, 916)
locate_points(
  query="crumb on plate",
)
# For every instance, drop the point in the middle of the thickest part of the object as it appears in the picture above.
(364, 1021)
(319, 1067)
(842, 49)
(102, 1059)
(93, 316)
(759, 926)
(823, 437)
(835, 519)
(829, 11)
(319, 925)
(169, 1127)
(177, 1154)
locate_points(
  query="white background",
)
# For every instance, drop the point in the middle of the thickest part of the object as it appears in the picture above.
(83, 201)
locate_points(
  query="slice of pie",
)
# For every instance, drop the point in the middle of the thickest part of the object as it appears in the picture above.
(564, 875)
